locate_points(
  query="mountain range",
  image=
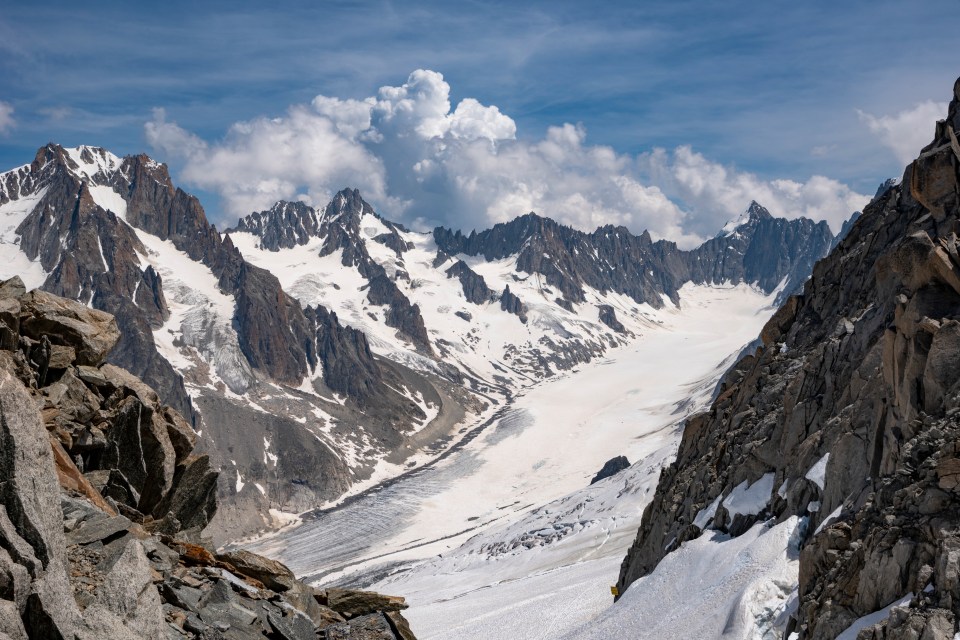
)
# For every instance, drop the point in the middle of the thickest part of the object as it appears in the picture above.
(322, 350)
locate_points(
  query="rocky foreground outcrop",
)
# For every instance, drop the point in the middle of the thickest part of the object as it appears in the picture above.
(103, 504)
(849, 416)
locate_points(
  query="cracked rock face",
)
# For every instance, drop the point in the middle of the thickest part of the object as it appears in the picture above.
(103, 504)
(851, 405)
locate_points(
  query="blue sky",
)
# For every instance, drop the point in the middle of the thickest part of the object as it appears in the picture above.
(770, 90)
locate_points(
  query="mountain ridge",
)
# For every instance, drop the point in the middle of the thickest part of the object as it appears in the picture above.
(370, 335)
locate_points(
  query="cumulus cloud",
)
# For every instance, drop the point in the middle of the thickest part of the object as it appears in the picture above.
(170, 139)
(6, 117)
(302, 155)
(424, 162)
(718, 193)
(907, 131)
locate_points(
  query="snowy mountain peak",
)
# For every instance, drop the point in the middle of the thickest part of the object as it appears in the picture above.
(758, 211)
(92, 162)
(86, 162)
(754, 213)
(349, 202)
(344, 223)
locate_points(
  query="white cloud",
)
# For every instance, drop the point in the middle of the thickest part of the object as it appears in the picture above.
(907, 131)
(170, 139)
(300, 156)
(6, 117)
(718, 193)
(423, 162)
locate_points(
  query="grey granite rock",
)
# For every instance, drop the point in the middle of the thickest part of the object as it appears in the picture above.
(31, 508)
(862, 366)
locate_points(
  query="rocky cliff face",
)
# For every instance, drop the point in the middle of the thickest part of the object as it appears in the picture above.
(284, 226)
(771, 252)
(214, 334)
(849, 416)
(91, 256)
(289, 224)
(475, 288)
(103, 503)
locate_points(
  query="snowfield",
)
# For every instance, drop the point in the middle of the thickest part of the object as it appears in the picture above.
(506, 529)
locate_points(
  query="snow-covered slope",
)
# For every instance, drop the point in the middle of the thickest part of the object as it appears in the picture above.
(489, 345)
(507, 528)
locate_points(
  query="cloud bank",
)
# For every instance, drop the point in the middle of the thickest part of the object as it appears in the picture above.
(422, 161)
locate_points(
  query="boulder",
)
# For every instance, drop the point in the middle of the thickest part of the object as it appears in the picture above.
(400, 625)
(71, 479)
(61, 356)
(92, 376)
(110, 483)
(194, 554)
(12, 288)
(9, 323)
(182, 436)
(71, 398)
(611, 468)
(130, 384)
(353, 603)
(90, 332)
(124, 598)
(193, 499)
(293, 626)
(273, 574)
(100, 530)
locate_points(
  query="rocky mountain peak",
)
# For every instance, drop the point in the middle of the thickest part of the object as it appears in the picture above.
(753, 215)
(283, 226)
(885, 186)
(94, 164)
(289, 224)
(756, 248)
(502, 240)
(348, 203)
(757, 211)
